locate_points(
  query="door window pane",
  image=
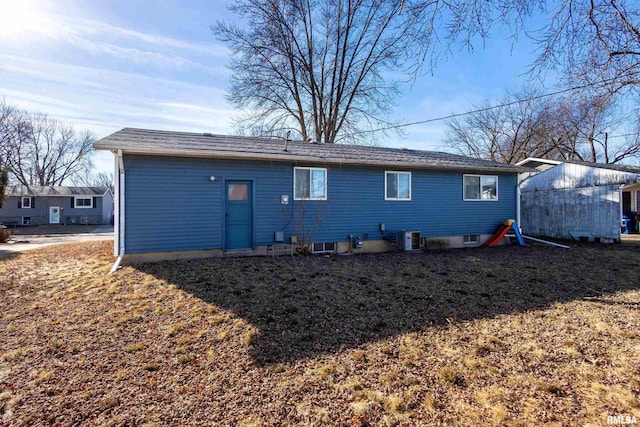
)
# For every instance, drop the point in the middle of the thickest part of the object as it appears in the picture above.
(238, 191)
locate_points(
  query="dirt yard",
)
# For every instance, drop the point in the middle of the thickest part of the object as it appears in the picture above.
(486, 336)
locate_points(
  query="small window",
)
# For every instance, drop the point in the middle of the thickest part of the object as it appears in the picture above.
(480, 187)
(26, 203)
(397, 185)
(238, 192)
(83, 202)
(26, 220)
(309, 184)
(324, 247)
(471, 239)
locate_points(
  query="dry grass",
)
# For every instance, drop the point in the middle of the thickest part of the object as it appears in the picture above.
(441, 338)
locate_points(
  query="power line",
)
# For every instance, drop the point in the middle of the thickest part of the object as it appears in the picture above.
(479, 110)
(623, 135)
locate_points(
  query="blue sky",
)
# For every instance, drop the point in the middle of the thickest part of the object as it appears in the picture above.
(105, 65)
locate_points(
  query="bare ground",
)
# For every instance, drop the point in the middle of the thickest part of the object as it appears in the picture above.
(486, 336)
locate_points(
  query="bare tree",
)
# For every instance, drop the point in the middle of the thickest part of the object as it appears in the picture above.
(39, 150)
(91, 179)
(323, 69)
(596, 42)
(507, 134)
(526, 125)
(318, 68)
(6, 114)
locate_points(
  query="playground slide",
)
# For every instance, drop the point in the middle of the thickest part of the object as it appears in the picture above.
(507, 226)
(498, 235)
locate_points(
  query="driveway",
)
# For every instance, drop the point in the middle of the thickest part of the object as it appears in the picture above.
(21, 243)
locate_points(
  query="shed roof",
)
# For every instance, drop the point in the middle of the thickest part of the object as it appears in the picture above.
(52, 191)
(575, 175)
(535, 162)
(156, 142)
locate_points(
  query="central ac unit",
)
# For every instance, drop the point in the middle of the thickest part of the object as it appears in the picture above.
(408, 240)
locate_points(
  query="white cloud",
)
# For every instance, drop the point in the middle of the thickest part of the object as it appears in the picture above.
(104, 101)
(96, 27)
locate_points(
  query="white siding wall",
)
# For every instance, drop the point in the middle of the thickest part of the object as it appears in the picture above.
(558, 213)
(567, 175)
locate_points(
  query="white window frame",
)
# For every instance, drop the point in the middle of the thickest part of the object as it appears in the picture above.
(75, 202)
(471, 239)
(397, 199)
(324, 247)
(28, 222)
(28, 202)
(481, 199)
(326, 180)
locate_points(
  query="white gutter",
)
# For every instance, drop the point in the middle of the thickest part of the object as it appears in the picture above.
(518, 195)
(119, 209)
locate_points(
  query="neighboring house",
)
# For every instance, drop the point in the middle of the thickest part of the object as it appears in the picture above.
(570, 199)
(185, 195)
(38, 205)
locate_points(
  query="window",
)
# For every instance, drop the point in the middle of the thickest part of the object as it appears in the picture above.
(480, 187)
(324, 247)
(309, 184)
(471, 239)
(238, 192)
(397, 185)
(83, 202)
(26, 203)
(26, 220)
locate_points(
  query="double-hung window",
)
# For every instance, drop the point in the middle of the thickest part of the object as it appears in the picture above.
(83, 202)
(397, 185)
(480, 187)
(26, 203)
(310, 183)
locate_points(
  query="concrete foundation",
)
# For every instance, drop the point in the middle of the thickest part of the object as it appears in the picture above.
(368, 246)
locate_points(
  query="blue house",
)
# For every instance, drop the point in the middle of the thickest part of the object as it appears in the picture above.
(190, 195)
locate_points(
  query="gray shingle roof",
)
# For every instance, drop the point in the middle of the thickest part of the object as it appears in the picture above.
(155, 142)
(36, 190)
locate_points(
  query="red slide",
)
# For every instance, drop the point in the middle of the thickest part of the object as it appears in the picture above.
(498, 235)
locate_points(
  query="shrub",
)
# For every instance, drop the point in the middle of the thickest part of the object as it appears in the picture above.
(5, 235)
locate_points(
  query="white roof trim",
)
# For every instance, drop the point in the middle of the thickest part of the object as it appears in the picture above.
(538, 160)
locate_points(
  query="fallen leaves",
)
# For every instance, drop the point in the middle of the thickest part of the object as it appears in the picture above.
(445, 337)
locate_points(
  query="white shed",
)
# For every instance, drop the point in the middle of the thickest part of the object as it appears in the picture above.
(577, 199)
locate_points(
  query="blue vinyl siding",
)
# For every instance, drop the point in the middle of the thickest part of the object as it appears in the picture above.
(172, 205)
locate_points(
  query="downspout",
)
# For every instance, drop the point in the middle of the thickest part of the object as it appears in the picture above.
(518, 195)
(119, 202)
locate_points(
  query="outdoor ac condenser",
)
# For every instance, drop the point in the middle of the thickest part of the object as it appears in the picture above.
(408, 240)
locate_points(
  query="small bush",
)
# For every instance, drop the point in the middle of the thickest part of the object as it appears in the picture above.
(5, 235)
